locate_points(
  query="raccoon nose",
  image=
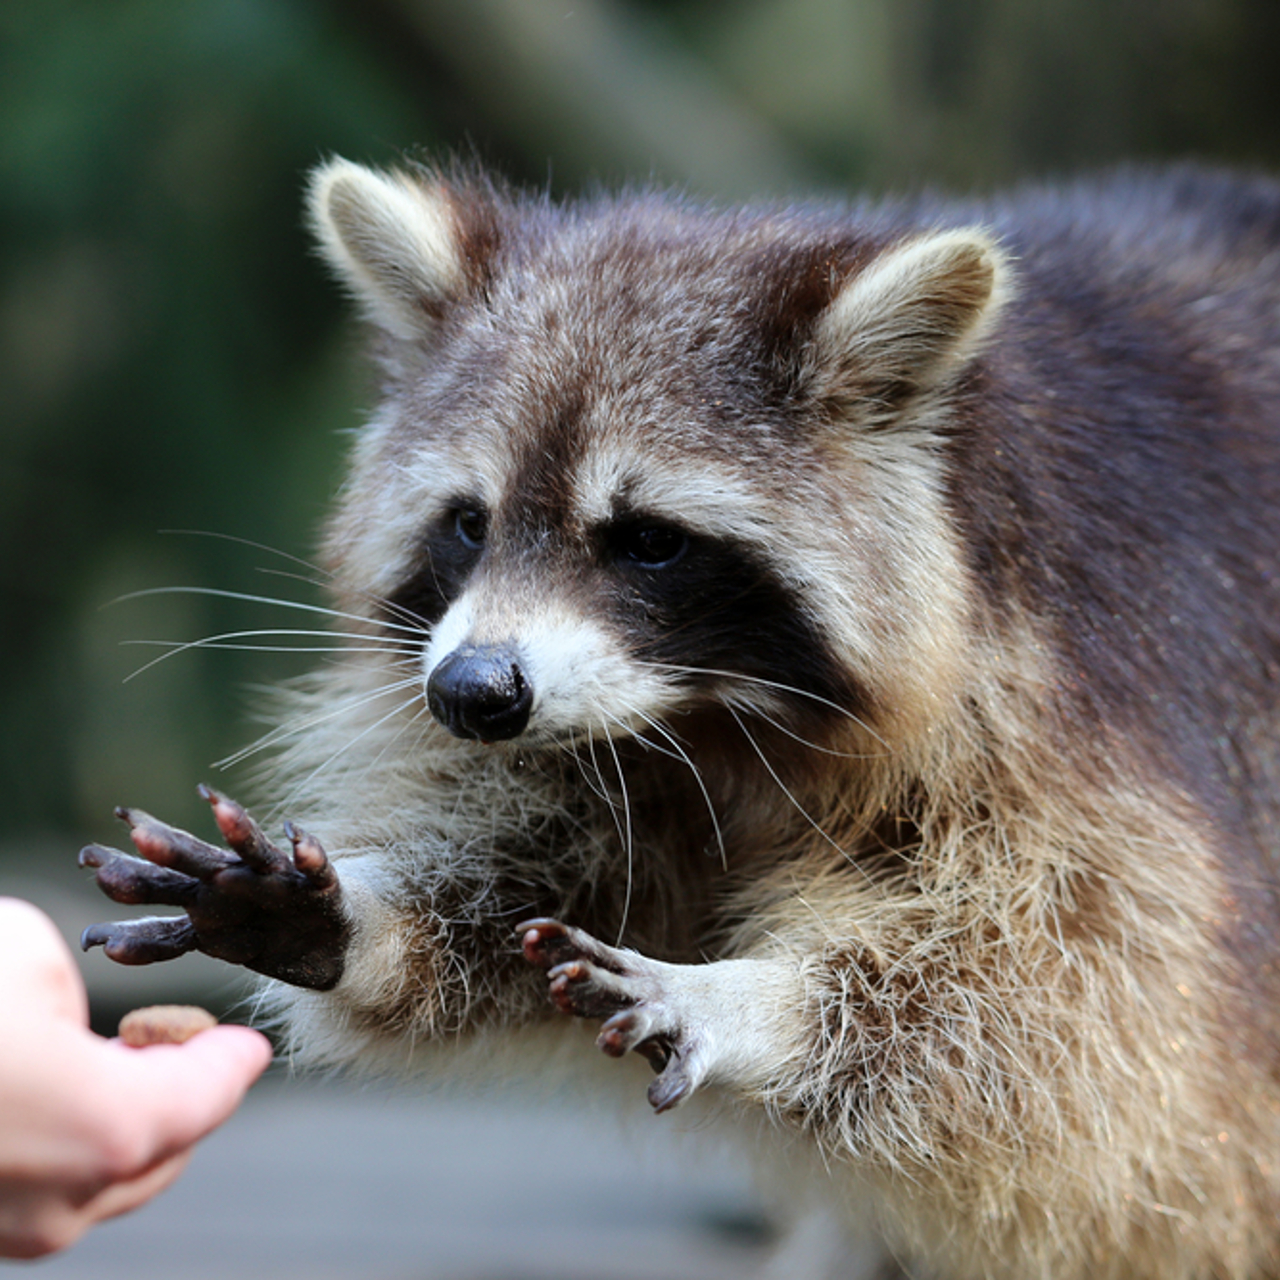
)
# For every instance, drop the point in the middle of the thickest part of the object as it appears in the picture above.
(480, 693)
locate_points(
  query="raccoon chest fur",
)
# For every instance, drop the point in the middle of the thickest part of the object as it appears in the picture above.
(837, 651)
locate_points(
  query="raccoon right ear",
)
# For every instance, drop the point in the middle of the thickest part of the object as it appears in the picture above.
(392, 238)
(908, 321)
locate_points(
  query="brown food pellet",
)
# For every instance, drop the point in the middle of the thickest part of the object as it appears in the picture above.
(164, 1024)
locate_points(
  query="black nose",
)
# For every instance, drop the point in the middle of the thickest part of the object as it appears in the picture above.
(480, 693)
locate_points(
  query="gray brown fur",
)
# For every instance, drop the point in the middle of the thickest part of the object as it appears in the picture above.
(986, 902)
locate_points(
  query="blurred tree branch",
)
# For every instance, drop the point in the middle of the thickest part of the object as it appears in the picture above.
(593, 85)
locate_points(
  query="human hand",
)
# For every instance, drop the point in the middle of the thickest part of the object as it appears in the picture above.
(90, 1128)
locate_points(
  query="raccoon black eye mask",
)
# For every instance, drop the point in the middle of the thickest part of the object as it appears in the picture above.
(835, 654)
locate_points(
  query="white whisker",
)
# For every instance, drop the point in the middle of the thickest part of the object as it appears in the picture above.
(300, 724)
(806, 742)
(572, 750)
(628, 840)
(772, 684)
(369, 644)
(782, 786)
(422, 711)
(321, 577)
(679, 752)
(603, 793)
(249, 598)
(248, 542)
(329, 761)
(382, 602)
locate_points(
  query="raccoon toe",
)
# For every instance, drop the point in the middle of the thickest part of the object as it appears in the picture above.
(678, 1079)
(170, 847)
(124, 878)
(310, 859)
(243, 834)
(643, 1027)
(584, 990)
(677, 1058)
(548, 944)
(141, 941)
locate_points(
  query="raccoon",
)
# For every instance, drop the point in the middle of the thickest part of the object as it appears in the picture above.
(835, 649)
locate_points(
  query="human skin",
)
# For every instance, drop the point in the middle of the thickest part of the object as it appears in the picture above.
(90, 1128)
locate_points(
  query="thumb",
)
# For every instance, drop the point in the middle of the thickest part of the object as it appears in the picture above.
(181, 1092)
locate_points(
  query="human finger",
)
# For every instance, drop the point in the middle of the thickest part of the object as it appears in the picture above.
(37, 1220)
(133, 1193)
(176, 1094)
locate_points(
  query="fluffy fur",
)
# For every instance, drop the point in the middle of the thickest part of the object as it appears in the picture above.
(931, 788)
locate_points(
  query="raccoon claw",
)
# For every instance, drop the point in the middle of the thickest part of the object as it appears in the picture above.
(252, 904)
(588, 979)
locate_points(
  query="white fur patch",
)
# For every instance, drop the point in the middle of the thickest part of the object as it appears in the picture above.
(721, 502)
(452, 631)
(583, 680)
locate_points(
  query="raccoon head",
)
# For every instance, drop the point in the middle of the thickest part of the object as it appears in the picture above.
(635, 458)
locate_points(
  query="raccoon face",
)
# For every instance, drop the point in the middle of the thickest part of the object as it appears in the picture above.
(634, 460)
(603, 594)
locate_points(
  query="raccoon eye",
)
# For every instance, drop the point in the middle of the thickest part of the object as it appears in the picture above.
(469, 524)
(654, 546)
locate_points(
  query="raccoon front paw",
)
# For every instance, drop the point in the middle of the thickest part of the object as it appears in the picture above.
(251, 905)
(636, 996)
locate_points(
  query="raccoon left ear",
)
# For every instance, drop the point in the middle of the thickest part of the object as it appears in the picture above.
(393, 239)
(908, 321)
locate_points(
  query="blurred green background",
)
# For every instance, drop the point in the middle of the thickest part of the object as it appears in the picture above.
(172, 357)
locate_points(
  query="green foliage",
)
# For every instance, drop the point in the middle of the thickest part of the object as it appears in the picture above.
(169, 359)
